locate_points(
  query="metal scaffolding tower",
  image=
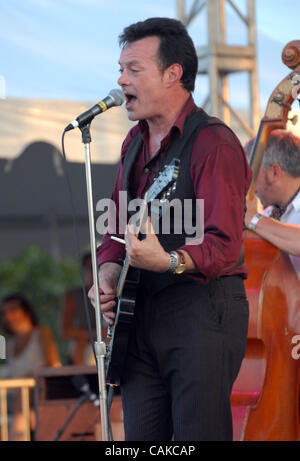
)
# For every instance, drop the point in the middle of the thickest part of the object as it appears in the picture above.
(218, 59)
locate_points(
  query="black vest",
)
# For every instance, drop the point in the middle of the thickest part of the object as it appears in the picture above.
(181, 148)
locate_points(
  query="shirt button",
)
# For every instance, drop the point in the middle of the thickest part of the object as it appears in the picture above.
(146, 170)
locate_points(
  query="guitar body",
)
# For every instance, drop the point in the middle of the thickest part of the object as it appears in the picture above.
(116, 355)
(118, 335)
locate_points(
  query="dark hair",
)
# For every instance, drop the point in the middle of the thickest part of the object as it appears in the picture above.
(176, 46)
(25, 306)
(283, 147)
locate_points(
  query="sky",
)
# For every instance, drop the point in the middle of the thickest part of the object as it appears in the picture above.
(68, 49)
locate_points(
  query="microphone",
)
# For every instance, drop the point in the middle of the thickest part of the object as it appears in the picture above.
(114, 98)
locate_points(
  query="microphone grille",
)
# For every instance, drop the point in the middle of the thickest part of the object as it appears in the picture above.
(117, 96)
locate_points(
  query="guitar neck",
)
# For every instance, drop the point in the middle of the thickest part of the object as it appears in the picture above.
(126, 264)
(123, 275)
(164, 180)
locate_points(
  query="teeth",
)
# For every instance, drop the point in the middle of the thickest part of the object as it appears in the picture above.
(130, 99)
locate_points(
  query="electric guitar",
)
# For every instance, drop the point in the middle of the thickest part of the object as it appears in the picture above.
(118, 333)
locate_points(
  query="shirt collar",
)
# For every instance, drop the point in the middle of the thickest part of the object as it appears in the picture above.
(179, 122)
(296, 202)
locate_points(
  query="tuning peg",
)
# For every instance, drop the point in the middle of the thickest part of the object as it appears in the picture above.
(164, 197)
(294, 120)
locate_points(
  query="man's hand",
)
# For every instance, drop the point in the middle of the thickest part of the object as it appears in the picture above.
(108, 280)
(252, 209)
(146, 254)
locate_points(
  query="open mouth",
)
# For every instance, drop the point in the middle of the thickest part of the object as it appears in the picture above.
(130, 99)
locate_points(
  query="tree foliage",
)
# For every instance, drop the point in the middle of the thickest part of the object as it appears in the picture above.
(42, 280)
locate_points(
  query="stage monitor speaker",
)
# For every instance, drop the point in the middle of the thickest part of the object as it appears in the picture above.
(56, 397)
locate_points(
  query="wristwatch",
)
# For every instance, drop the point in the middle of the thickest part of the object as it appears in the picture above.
(174, 260)
(254, 221)
(177, 262)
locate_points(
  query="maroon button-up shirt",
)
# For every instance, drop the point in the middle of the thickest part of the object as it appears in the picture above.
(221, 177)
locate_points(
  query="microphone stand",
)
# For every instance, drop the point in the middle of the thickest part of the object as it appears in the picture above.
(100, 347)
(84, 398)
(87, 396)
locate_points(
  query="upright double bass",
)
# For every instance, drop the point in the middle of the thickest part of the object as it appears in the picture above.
(265, 397)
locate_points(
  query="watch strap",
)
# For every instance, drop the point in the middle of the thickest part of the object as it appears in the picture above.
(174, 261)
(252, 224)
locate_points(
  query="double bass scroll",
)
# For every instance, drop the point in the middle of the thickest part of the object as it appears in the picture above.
(278, 108)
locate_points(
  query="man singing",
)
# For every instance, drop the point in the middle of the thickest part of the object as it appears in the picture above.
(191, 315)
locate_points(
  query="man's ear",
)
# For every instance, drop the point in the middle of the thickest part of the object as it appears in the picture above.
(173, 74)
(276, 172)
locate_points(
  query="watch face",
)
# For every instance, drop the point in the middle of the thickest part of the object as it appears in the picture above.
(180, 269)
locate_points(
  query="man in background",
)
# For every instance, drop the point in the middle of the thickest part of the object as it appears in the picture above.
(74, 319)
(278, 189)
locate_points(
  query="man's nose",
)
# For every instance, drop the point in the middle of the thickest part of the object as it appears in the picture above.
(123, 80)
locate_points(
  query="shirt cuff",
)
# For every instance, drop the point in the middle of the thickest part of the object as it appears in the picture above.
(111, 251)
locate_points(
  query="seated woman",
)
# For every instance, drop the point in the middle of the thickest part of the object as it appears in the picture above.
(28, 348)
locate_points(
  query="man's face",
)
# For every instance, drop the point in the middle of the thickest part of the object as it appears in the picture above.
(265, 190)
(142, 79)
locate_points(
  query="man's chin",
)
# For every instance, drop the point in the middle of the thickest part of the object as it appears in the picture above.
(262, 202)
(133, 117)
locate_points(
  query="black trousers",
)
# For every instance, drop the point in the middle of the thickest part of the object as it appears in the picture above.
(185, 351)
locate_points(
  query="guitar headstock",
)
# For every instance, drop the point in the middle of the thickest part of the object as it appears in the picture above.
(165, 183)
